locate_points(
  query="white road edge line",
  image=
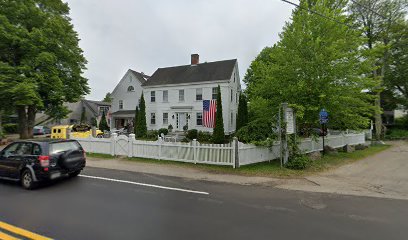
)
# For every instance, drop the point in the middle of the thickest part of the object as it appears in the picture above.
(144, 184)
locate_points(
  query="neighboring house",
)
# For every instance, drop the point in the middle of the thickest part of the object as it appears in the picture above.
(93, 109)
(125, 98)
(174, 95)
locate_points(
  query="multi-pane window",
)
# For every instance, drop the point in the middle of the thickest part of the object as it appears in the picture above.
(199, 118)
(214, 93)
(120, 104)
(131, 89)
(152, 118)
(152, 96)
(199, 94)
(181, 95)
(165, 118)
(165, 96)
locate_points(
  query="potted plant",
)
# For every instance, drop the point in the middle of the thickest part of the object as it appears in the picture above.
(185, 128)
(170, 127)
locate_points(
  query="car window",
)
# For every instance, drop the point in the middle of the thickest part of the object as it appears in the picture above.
(63, 146)
(25, 149)
(11, 150)
(36, 149)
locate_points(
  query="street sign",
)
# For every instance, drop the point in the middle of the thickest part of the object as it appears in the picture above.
(323, 116)
(290, 121)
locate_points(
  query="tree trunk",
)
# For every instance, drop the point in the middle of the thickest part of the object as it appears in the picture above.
(30, 120)
(378, 118)
(22, 122)
(1, 123)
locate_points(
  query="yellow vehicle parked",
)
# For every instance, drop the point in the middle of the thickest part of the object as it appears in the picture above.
(76, 131)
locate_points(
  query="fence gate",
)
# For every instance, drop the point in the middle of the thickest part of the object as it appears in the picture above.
(122, 145)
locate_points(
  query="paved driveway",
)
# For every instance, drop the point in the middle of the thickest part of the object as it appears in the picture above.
(382, 175)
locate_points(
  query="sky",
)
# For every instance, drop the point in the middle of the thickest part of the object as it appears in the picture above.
(144, 35)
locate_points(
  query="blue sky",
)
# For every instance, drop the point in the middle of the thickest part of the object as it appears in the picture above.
(147, 34)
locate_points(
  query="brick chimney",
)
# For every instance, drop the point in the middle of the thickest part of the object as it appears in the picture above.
(195, 59)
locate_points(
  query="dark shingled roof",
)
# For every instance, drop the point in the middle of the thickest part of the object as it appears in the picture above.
(203, 72)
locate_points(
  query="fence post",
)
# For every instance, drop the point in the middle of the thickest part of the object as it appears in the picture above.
(160, 140)
(235, 152)
(195, 151)
(113, 143)
(131, 139)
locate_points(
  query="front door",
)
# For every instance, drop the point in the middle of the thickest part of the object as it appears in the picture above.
(182, 121)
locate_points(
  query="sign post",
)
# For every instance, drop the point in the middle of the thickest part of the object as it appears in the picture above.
(323, 119)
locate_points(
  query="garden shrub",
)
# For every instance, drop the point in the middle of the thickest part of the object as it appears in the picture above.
(298, 162)
(256, 131)
(204, 137)
(10, 128)
(165, 131)
(192, 134)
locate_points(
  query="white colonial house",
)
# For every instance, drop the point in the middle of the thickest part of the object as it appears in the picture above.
(174, 95)
(125, 98)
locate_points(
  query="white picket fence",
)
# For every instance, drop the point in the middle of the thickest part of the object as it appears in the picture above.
(232, 154)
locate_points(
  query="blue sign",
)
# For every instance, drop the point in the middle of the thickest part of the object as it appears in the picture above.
(323, 116)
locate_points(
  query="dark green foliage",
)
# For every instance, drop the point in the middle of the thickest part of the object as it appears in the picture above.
(165, 131)
(83, 116)
(298, 162)
(151, 135)
(185, 140)
(204, 137)
(218, 134)
(256, 131)
(10, 128)
(192, 134)
(141, 127)
(136, 120)
(185, 128)
(103, 125)
(242, 116)
(170, 128)
(94, 123)
(108, 98)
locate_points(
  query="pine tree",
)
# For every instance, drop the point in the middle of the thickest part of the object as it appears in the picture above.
(83, 116)
(218, 134)
(242, 116)
(103, 125)
(136, 121)
(141, 128)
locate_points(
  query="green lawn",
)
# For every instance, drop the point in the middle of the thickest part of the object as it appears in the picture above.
(268, 169)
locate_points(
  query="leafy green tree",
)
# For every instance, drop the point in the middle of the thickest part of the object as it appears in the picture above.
(316, 64)
(108, 98)
(242, 116)
(141, 127)
(136, 120)
(94, 123)
(40, 61)
(218, 134)
(103, 124)
(83, 116)
(377, 19)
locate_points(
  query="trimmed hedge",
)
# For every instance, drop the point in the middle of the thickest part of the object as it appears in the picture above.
(10, 128)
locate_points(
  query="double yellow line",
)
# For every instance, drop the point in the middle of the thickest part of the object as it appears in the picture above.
(17, 232)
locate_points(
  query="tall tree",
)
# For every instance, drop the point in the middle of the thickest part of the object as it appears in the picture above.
(103, 124)
(108, 97)
(218, 134)
(83, 116)
(316, 64)
(141, 127)
(376, 18)
(40, 61)
(242, 116)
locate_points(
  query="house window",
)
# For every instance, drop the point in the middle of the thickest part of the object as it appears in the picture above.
(152, 118)
(181, 95)
(165, 96)
(103, 110)
(152, 96)
(131, 89)
(232, 96)
(120, 104)
(199, 118)
(214, 93)
(165, 118)
(199, 94)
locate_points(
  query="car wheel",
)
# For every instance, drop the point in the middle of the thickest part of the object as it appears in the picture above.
(74, 174)
(27, 180)
(99, 136)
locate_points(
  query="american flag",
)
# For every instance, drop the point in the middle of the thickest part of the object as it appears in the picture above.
(209, 109)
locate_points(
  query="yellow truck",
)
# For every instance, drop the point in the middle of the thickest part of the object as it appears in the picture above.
(76, 131)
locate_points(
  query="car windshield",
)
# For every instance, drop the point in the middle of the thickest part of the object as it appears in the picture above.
(63, 146)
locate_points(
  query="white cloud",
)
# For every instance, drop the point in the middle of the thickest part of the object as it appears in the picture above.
(145, 34)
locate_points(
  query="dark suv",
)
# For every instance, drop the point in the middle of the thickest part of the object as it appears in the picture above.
(31, 162)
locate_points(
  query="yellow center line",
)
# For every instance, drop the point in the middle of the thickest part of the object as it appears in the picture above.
(21, 232)
(4, 236)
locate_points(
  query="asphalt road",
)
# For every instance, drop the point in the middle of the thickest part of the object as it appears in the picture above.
(128, 205)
